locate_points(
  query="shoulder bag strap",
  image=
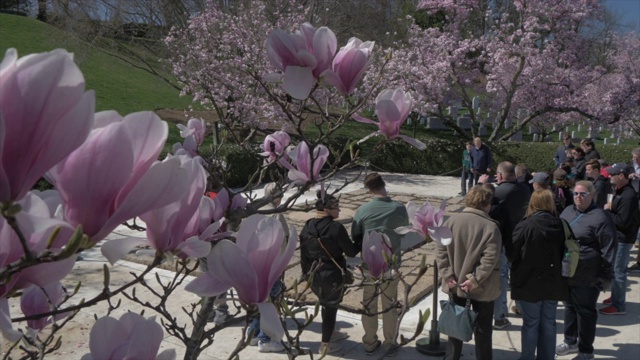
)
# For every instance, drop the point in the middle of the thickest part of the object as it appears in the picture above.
(328, 254)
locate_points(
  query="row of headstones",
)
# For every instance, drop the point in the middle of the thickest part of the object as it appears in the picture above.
(435, 123)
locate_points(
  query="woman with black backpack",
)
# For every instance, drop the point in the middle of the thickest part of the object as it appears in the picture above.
(326, 241)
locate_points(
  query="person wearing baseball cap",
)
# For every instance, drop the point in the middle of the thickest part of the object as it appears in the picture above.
(540, 180)
(626, 216)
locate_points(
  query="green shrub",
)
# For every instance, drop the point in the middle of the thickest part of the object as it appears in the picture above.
(241, 163)
(441, 157)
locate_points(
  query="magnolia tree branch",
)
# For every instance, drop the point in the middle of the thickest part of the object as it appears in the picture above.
(105, 294)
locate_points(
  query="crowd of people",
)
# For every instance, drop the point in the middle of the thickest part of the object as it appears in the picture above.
(512, 234)
(515, 230)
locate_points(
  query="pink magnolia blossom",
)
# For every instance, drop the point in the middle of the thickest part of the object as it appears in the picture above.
(301, 56)
(114, 176)
(305, 167)
(349, 65)
(176, 227)
(426, 221)
(374, 247)
(392, 108)
(130, 337)
(274, 145)
(195, 128)
(46, 114)
(37, 225)
(37, 300)
(251, 265)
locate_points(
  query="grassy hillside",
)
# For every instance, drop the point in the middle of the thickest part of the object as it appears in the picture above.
(118, 85)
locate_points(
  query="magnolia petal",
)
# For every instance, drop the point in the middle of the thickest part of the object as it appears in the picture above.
(414, 142)
(404, 230)
(168, 354)
(227, 261)
(166, 178)
(245, 238)
(210, 230)
(387, 111)
(270, 321)
(207, 285)
(145, 336)
(45, 273)
(362, 119)
(117, 249)
(194, 248)
(297, 177)
(5, 322)
(106, 334)
(442, 235)
(298, 81)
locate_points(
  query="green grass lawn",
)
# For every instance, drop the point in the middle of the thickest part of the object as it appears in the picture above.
(118, 85)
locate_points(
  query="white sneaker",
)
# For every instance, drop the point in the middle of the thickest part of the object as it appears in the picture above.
(271, 346)
(254, 340)
(338, 335)
(328, 348)
(220, 316)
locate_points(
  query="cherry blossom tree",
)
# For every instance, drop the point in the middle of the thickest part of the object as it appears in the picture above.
(525, 59)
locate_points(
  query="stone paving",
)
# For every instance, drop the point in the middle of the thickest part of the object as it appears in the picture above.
(413, 249)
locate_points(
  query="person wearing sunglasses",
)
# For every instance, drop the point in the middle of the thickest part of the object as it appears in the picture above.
(596, 233)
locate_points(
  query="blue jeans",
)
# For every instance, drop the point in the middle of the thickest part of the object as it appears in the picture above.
(619, 284)
(255, 323)
(580, 317)
(538, 329)
(466, 177)
(500, 304)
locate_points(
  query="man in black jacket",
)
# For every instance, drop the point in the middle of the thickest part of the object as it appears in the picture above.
(514, 197)
(624, 208)
(601, 183)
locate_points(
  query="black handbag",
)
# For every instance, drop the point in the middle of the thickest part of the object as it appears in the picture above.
(457, 321)
(347, 276)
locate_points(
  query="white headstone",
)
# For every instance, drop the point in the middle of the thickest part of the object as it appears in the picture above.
(475, 102)
(535, 137)
(507, 123)
(409, 121)
(579, 127)
(606, 141)
(516, 137)
(453, 111)
(434, 123)
(464, 122)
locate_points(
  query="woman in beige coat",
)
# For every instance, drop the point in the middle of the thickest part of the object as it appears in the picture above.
(470, 265)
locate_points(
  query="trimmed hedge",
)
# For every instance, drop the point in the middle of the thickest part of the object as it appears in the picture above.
(241, 163)
(443, 157)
